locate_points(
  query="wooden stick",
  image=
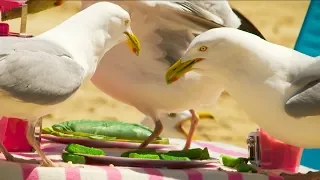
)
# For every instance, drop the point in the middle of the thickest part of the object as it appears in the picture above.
(24, 15)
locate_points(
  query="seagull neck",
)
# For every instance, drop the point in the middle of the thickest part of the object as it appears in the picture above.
(85, 41)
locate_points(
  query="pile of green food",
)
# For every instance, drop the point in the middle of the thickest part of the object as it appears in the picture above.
(184, 155)
(240, 163)
(73, 151)
(110, 130)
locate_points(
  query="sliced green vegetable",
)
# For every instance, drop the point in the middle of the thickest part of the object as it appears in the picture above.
(204, 154)
(231, 161)
(244, 167)
(144, 156)
(184, 155)
(173, 158)
(139, 151)
(77, 148)
(190, 153)
(75, 159)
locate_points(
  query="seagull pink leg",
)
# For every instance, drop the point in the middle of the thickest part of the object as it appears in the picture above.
(156, 132)
(32, 141)
(194, 123)
(45, 160)
(179, 125)
(11, 158)
(5, 152)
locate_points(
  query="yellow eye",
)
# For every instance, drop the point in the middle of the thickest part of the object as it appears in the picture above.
(203, 48)
(126, 22)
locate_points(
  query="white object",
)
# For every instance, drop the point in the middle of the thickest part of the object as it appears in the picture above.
(37, 74)
(165, 29)
(278, 87)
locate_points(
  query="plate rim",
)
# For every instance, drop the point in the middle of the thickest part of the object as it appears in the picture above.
(45, 136)
(204, 162)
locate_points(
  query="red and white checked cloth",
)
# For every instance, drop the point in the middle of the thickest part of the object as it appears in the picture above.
(14, 171)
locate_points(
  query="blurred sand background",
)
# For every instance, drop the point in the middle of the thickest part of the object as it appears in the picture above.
(279, 22)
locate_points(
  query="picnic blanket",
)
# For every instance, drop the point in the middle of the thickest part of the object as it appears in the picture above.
(16, 171)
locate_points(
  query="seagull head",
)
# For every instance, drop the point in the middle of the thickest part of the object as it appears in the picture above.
(116, 24)
(208, 53)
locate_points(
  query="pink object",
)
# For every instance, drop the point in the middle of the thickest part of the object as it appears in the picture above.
(7, 5)
(278, 155)
(13, 134)
(4, 29)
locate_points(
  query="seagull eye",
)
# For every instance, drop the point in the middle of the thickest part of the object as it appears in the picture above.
(126, 22)
(203, 48)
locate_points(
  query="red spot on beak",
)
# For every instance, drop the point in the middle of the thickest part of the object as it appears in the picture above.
(134, 50)
(174, 79)
(58, 2)
(199, 59)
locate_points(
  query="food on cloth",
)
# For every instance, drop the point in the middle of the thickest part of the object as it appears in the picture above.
(139, 151)
(73, 151)
(184, 155)
(79, 149)
(75, 159)
(173, 158)
(144, 156)
(196, 153)
(110, 130)
(240, 163)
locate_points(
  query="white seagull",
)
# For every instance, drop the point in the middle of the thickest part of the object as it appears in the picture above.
(37, 74)
(172, 124)
(278, 87)
(165, 29)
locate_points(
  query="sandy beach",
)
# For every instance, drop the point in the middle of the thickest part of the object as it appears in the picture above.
(279, 22)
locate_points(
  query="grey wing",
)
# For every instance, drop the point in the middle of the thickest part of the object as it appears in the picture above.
(37, 71)
(215, 10)
(182, 24)
(174, 43)
(306, 101)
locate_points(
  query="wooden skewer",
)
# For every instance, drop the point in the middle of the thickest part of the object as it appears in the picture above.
(24, 15)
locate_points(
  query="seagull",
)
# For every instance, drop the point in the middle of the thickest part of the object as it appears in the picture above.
(37, 74)
(278, 87)
(172, 124)
(165, 28)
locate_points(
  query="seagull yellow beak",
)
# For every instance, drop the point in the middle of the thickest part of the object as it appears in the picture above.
(133, 42)
(179, 68)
